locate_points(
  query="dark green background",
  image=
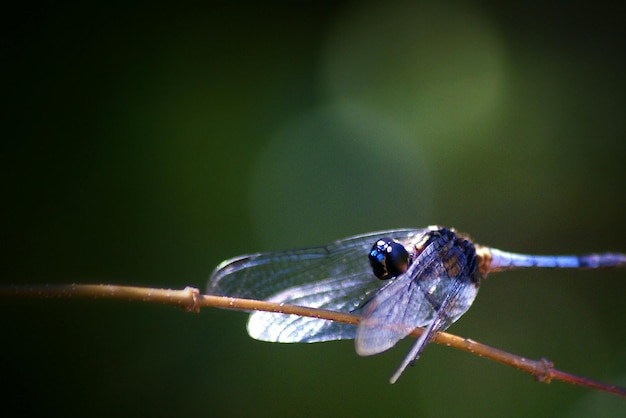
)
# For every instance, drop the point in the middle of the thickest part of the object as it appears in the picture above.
(143, 144)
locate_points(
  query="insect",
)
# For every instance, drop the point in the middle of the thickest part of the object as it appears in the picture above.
(396, 280)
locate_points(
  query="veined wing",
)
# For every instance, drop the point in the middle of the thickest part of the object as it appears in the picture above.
(336, 277)
(458, 300)
(345, 294)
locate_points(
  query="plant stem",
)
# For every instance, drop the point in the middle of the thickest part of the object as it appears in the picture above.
(191, 300)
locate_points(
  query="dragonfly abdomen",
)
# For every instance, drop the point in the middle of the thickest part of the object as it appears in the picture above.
(503, 260)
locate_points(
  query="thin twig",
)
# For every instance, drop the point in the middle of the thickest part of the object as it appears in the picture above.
(191, 300)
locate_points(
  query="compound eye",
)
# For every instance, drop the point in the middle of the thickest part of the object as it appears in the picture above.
(388, 258)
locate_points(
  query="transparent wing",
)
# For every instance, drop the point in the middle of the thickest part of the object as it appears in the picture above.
(335, 277)
(427, 295)
(456, 303)
(345, 294)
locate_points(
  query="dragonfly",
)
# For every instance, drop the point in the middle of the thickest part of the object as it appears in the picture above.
(396, 280)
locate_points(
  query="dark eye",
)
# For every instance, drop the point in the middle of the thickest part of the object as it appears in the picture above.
(388, 258)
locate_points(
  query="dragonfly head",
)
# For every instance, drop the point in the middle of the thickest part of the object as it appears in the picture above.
(389, 258)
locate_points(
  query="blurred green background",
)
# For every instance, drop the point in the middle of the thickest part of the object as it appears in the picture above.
(142, 144)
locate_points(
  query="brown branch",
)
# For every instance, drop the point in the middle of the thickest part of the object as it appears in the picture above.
(191, 300)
